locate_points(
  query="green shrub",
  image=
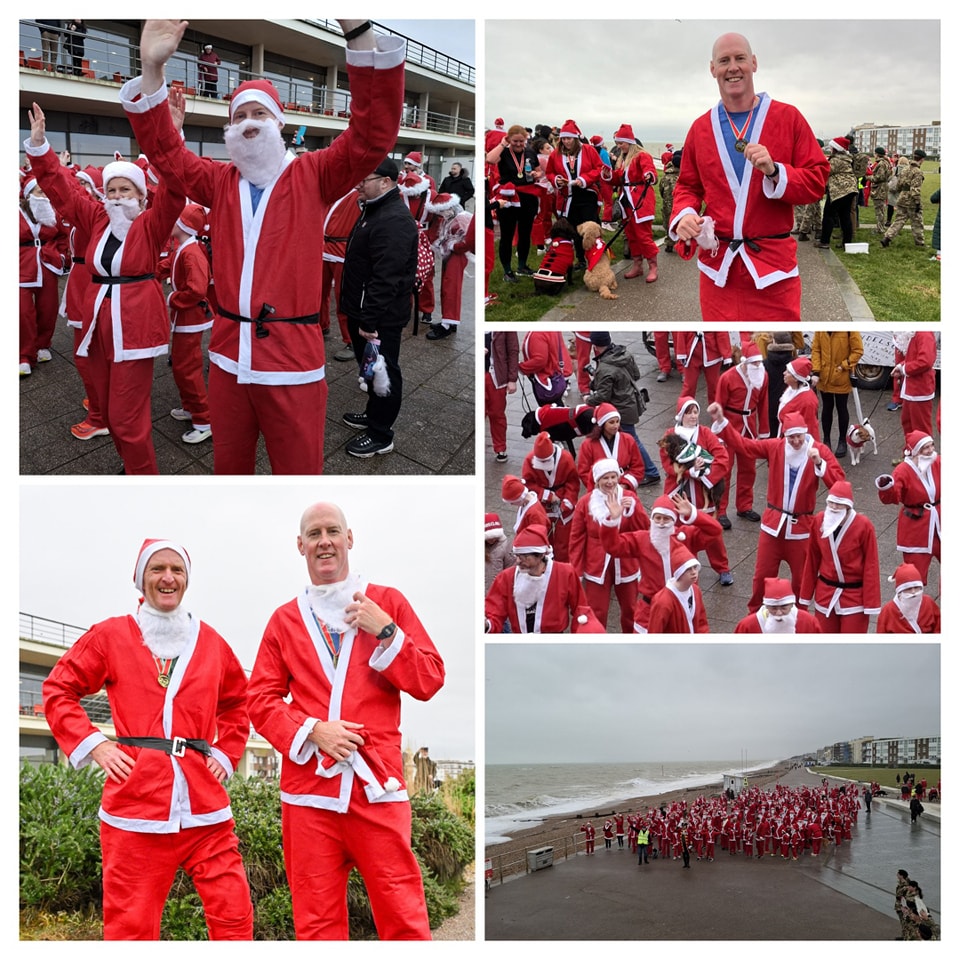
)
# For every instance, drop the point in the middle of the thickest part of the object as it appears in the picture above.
(183, 919)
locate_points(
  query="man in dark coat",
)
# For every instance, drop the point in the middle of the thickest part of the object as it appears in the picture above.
(378, 276)
(457, 181)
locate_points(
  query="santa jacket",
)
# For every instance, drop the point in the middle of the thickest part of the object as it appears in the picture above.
(563, 601)
(789, 512)
(623, 448)
(136, 311)
(717, 471)
(190, 278)
(364, 687)
(700, 349)
(755, 209)
(560, 481)
(77, 291)
(806, 623)
(737, 397)
(542, 354)
(667, 613)
(637, 182)
(264, 259)
(41, 248)
(341, 217)
(920, 379)
(918, 525)
(891, 620)
(206, 700)
(848, 557)
(805, 403)
(587, 555)
(585, 166)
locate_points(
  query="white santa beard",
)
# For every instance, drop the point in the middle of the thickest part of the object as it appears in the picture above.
(902, 340)
(122, 213)
(787, 624)
(660, 538)
(528, 590)
(329, 601)
(788, 394)
(42, 210)
(795, 458)
(909, 606)
(925, 463)
(755, 375)
(831, 520)
(257, 158)
(165, 634)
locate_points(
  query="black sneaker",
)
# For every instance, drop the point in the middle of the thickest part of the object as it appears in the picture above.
(366, 446)
(751, 515)
(724, 521)
(502, 456)
(356, 421)
(524, 270)
(438, 331)
(510, 277)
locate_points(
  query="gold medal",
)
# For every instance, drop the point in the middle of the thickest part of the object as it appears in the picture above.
(163, 680)
(741, 145)
(163, 671)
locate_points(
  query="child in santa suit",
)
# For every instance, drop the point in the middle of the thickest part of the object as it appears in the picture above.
(678, 607)
(910, 610)
(453, 241)
(341, 217)
(551, 472)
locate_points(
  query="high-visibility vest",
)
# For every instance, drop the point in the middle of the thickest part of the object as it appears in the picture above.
(643, 837)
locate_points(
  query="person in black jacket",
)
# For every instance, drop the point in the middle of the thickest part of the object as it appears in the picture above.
(379, 269)
(459, 183)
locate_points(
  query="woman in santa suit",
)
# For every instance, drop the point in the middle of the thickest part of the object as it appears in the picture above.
(43, 244)
(601, 572)
(799, 396)
(608, 442)
(635, 174)
(697, 463)
(574, 169)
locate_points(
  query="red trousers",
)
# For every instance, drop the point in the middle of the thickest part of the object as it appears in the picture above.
(451, 287)
(560, 541)
(332, 277)
(746, 475)
(321, 847)
(495, 410)
(584, 350)
(139, 868)
(691, 374)
(489, 256)
(38, 317)
(186, 356)
(94, 414)
(835, 623)
(598, 596)
(770, 552)
(640, 238)
(922, 561)
(290, 417)
(741, 300)
(916, 415)
(661, 343)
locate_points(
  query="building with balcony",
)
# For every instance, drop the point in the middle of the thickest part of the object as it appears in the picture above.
(899, 139)
(305, 60)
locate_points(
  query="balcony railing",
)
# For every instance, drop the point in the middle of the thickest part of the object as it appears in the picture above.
(49, 631)
(97, 707)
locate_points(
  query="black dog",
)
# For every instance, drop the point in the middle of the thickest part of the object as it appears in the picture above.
(561, 423)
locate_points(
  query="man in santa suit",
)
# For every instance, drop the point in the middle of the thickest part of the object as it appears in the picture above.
(543, 354)
(917, 354)
(501, 353)
(178, 702)
(608, 833)
(550, 471)
(608, 442)
(706, 353)
(341, 217)
(516, 493)
(540, 594)
(267, 355)
(841, 576)
(746, 163)
(910, 610)
(652, 547)
(742, 392)
(779, 612)
(574, 170)
(678, 607)
(915, 485)
(795, 464)
(603, 574)
(413, 166)
(190, 315)
(618, 818)
(325, 691)
(590, 832)
(799, 396)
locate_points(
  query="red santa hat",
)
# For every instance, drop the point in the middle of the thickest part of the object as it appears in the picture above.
(193, 219)
(793, 423)
(148, 549)
(415, 158)
(800, 368)
(603, 467)
(840, 143)
(666, 157)
(492, 527)
(570, 129)
(443, 202)
(916, 441)
(532, 539)
(665, 507)
(683, 403)
(597, 140)
(777, 592)
(604, 412)
(28, 186)
(841, 492)
(413, 185)
(681, 560)
(94, 176)
(750, 351)
(492, 138)
(668, 146)
(498, 123)
(257, 91)
(512, 489)
(624, 134)
(124, 168)
(543, 450)
(906, 575)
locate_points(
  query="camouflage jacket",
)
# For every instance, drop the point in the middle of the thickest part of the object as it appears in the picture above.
(910, 182)
(668, 180)
(842, 181)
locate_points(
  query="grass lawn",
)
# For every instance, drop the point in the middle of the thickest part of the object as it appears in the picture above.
(885, 776)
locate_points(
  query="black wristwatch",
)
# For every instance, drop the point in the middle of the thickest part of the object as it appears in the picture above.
(357, 31)
(388, 631)
(776, 172)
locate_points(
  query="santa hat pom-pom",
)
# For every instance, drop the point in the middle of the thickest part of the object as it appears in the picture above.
(681, 536)
(392, 785)
(891, 579)
(582, 618)
(381, 379)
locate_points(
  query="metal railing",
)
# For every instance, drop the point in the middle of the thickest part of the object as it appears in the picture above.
(49, 631)
(506, 866)
(97, 707)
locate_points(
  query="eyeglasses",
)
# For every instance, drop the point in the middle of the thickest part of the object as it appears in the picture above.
(368, 179)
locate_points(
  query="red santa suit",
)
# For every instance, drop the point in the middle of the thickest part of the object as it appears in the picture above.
(267, 369)
(758, 623)
(550, 471)
(590, 832)
(802, 400)
(586, 166)
(638, 201)
(530, 512)
(542, 355)
(892, 620)
(170, 811)
(42, 260)
(128, 322)
(453, 242)
(918, 493)
(418, 192)
(584, 351)
(352, 812)
(677, 611)
(841, 577)
(701, 352)
(622, 448)
(341, 217)
(918, 386)
(562, 607)
(753, 273)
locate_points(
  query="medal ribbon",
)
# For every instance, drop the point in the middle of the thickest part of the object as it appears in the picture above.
(164, 669)
(331, 638)
(738, 134)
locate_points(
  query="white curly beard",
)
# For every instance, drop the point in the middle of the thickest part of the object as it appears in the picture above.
(164, 634)
(257, 158)
(329, 601)
(527, 590)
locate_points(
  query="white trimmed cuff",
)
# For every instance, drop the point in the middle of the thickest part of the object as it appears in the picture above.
(302, 749)
(131, 91)
(380, 661)
(390, 52)
(81, 754)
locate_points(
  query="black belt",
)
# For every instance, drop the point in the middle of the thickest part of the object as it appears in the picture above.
(335, 239)
(856, 584)
(79, 260)
(919, 508)
(743, 413)
(99, 278)
(644, 598)
(175, 747)
(266, 316)
(32, 243)
(789, 513)
(751, 242)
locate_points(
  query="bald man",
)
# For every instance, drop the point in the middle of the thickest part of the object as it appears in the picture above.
(325, 691)
(746, 163)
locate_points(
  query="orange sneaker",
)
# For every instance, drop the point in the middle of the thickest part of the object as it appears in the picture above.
(87, 431)
(86, 404)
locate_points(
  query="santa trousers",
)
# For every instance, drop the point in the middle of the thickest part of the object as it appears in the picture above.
(916, 415)
(139, 868)
(746, 475)
(582, 358)
(186, 357)
(691, 374)
(320, 848)
(640, 238)
(495, 409)
(598, 596)
(332, 277)
(451, 287)
(94, 416)
(661, 343)
(741, 300)
(38, 317)
(489, 249)
(922, 561)
(849, 623)
(770, 552)
(290, 417)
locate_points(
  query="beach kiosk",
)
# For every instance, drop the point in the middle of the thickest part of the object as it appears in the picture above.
(735, 782)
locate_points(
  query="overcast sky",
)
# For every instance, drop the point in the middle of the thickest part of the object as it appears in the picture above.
(79, 544)
(452, 37)
(567, 703)
(654, 74)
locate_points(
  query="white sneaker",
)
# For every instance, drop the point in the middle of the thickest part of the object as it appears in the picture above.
(362, 384)
(43, 356)
(25, 370)
(180, 414)
(197, 435)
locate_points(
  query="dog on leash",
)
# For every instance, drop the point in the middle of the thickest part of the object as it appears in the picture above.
(858, 436)
(598, 277)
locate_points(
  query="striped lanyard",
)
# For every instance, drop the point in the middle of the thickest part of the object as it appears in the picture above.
(331, 639)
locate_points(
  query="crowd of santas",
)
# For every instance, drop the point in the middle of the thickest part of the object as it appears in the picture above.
(784, 821)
